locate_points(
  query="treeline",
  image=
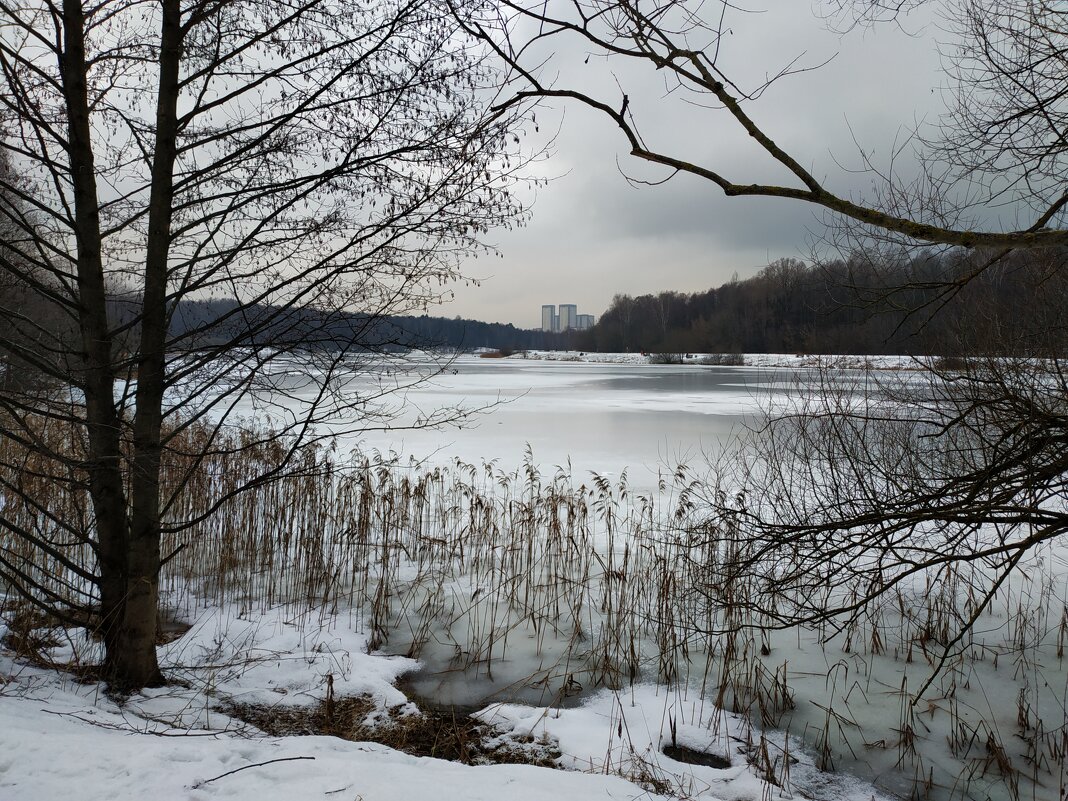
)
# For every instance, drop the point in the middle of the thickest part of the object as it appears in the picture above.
(467, 334)
(946, 304)
(30, 323)
(207, 323)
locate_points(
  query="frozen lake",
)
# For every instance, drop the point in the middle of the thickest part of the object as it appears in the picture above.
(487, 622)
(602, 417)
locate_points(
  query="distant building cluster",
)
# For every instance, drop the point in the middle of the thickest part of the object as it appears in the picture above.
(567, 319)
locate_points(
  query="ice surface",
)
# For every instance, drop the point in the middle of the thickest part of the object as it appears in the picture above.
(619, 413)
(601, 417)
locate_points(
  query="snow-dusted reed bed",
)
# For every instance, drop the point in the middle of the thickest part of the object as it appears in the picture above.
(542, 589)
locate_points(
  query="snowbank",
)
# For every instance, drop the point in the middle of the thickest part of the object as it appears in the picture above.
(779, 360)
(60, 738)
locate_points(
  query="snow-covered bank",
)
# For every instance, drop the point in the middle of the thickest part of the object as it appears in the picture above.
(60, 738)
(777, 360)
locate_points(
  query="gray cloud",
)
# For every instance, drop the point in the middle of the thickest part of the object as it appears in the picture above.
(593, 234)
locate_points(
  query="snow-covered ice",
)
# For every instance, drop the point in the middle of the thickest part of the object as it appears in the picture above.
(57, 737)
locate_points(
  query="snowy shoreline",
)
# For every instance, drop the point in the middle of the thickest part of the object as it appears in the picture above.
(176, 741)
(769, 360)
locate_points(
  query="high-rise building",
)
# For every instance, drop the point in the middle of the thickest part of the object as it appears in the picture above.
(568, 316)
(548, 318)
(567, 319)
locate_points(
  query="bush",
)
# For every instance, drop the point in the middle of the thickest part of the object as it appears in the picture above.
(665, 358)
(723, 360)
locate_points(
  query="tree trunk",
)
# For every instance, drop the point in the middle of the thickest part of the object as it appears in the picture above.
(138, 634)
(128, 547)
(94, 373)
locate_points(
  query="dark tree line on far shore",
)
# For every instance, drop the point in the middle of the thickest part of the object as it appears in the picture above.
(948, 303)
(330, 329)
(860, 305)
(856, 306)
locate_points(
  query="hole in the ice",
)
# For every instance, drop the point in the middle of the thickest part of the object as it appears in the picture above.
(681, 753)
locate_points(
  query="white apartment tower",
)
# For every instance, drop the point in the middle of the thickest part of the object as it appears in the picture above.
(549, 320)
(568, 319)
(568, 316)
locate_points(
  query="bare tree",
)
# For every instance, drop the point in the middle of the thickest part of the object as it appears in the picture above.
(1006, 121)
(951, 477)
(255, 179)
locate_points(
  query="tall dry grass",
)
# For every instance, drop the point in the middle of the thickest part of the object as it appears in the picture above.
(609, 584)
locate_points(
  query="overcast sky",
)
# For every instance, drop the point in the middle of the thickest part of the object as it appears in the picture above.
(592, 234)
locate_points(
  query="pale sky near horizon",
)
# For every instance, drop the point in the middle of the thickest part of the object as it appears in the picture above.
(592, 234)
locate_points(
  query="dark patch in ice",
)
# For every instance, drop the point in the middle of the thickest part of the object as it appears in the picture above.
(689, 756)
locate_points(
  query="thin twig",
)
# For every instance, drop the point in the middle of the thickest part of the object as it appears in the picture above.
(198, 785)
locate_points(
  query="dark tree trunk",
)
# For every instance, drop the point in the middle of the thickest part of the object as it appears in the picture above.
(94, 372)
(138, 633)
(127, 529)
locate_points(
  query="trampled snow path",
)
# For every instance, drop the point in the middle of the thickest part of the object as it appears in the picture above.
(63, 740)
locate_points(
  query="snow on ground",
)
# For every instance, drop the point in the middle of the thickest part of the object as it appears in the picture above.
(69, 746)
(582, 356)
(781, 360)
(59, 738)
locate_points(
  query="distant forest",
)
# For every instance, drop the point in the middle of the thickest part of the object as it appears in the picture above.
(858, 306)
(195, 323)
